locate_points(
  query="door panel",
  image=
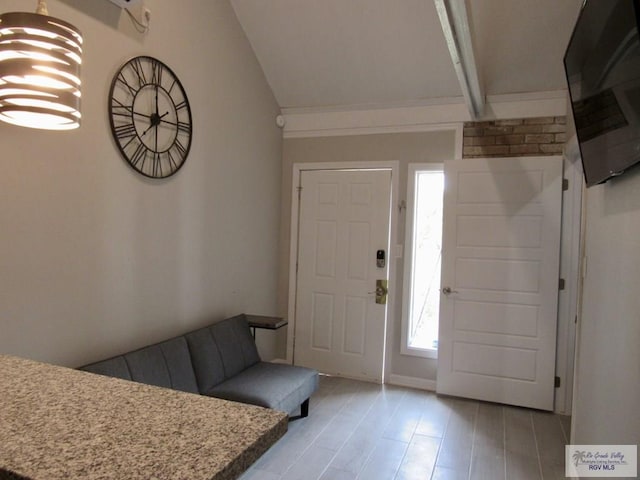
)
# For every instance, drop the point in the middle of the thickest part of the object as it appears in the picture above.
(501, 261)
(344, 220)
(495, 361)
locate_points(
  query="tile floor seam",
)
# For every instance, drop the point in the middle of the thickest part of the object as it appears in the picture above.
(302, 453)
(564, 433)
(435, 460)
(351, 435)
(444, 434)
(535, 442)
(364, 450)
(382, 436)
(413, 433)
(473, 439)
(504, 442)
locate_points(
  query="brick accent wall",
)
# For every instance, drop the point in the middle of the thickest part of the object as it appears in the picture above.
(514, 138)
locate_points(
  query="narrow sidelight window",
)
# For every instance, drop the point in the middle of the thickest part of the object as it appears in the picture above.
(423, 253)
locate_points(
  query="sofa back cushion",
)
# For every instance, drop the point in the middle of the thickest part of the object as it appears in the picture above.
(245, 340)
(220, 351)
(147, 365)
(195, 362)
(113, 367)
(205, 358)
(166, 364)
(176, 354)
(236, 345)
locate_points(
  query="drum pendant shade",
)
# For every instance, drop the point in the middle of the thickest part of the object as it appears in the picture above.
(40, 58)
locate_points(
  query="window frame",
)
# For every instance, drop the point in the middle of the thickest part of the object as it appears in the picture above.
(405, 349)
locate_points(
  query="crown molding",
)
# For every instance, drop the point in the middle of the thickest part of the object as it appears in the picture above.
(424, 116)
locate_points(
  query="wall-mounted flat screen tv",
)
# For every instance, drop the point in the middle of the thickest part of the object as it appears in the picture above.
(602, 64)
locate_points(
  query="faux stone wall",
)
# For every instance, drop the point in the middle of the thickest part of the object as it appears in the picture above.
(514, 138)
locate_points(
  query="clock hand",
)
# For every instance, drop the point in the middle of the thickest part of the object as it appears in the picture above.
(174, 124)
(148, 128)
(156, 99)
(149, 116)
(156, 125)
(155, 121)
(140, 114)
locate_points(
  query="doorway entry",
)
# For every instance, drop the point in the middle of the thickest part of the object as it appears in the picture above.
(342, 271)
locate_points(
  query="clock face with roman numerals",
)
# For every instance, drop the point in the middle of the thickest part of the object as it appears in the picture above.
(150, 117)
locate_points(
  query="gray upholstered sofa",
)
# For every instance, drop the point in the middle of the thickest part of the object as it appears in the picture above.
(220, 360)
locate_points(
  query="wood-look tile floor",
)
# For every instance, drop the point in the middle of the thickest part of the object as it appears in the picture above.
(358, 430)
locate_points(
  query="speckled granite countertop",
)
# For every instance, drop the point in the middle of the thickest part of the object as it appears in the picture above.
(59, 423)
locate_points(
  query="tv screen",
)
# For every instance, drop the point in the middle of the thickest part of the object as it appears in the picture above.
(602, 64)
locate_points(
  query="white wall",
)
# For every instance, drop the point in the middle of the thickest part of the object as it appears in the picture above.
(96, 259)
(607, 384)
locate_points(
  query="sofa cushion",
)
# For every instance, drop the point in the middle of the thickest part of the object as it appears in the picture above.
(245, 340)
(147, 365)
(221, 350)
(271, 385)
(235, 344)
(178, 359)
(113, 367)
(166, 364)
(205, 358)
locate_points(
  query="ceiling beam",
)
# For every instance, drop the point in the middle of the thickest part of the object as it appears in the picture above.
(455, 25)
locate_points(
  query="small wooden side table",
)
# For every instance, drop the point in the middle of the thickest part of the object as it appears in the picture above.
(266, 322)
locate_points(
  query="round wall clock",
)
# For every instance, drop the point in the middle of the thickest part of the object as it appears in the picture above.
(150, 117)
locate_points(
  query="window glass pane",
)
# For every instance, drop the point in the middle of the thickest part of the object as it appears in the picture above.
(426, 255)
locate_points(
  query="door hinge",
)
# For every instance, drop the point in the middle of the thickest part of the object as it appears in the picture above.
(556, 382)
(565, 184)
(561, 284)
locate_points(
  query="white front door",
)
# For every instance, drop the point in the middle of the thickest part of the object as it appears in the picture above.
(343, 223)
(498, 310)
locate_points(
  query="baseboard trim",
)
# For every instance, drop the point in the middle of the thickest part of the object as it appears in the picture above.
(412, 382)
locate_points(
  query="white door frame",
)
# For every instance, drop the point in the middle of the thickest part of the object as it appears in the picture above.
(568, 299)
(298, 168)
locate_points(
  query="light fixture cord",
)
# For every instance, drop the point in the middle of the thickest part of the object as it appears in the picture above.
(137, 24)
(41, 9)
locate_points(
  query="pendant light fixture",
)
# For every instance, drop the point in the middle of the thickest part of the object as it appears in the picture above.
(40, 59)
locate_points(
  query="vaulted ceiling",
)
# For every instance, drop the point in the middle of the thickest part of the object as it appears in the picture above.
(355, 53)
